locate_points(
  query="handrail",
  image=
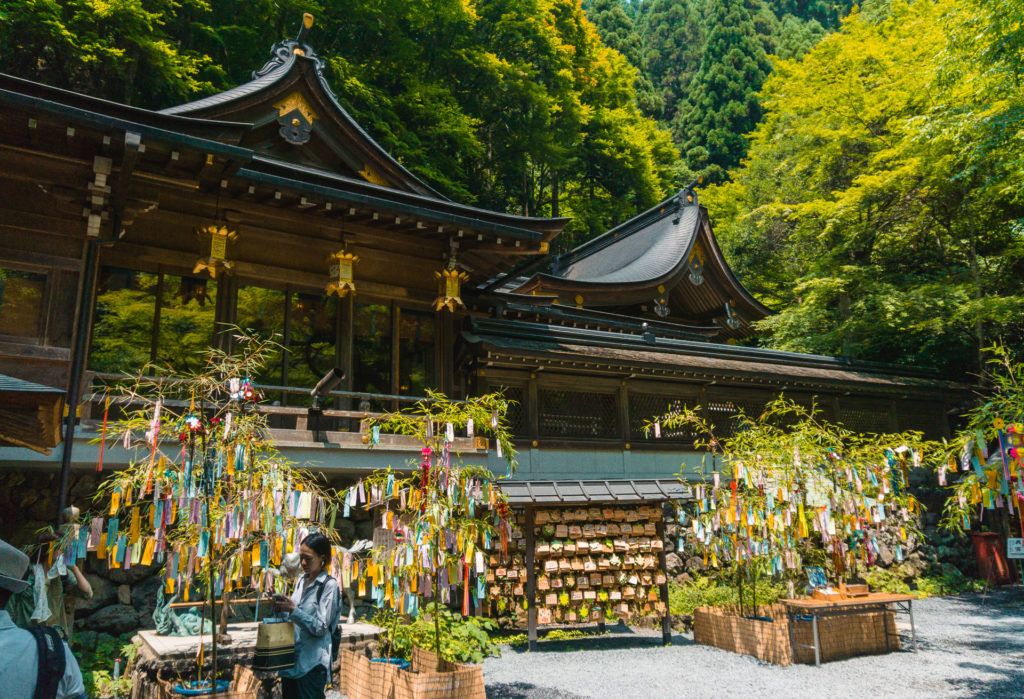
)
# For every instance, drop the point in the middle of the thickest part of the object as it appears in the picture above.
(292, 410)
(292, 390)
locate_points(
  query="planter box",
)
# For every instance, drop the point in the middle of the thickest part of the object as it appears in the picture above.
(362, 679)
(847, 636)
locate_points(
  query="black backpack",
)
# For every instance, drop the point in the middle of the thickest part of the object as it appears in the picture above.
(52, 661)
(336, 631)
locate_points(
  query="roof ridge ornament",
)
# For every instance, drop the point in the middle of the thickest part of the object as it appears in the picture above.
(283, 51)
(687, 196)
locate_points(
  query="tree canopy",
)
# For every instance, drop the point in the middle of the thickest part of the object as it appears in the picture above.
(877, 189)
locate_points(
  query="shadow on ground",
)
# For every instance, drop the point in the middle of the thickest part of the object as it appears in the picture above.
(1009, 683)
(618, 637)
(525, 690)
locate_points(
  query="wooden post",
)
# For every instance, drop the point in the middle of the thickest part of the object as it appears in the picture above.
(396, 348)
(344, 342)
(79, 355)
(623, 404)
(286, 341)
(533, 408)
(531, 581)
(666, 619)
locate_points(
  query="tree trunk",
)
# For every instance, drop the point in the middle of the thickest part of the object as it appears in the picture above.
(554, 194)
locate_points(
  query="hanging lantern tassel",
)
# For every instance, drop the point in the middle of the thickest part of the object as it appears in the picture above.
(449, 288)
(341, 273)
(214, 240)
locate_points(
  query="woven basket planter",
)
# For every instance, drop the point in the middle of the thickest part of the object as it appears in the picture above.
(847, 636)
(244, 685)
(363, 679)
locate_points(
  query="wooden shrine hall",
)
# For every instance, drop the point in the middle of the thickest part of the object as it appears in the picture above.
(130, 236)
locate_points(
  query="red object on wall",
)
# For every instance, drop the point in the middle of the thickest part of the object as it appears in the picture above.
(990, 555)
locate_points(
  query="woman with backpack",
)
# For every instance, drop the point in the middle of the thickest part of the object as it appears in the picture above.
(313, 609)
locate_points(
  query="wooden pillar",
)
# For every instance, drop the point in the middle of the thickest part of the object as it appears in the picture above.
(444, 347)
(224, 313)
(154, 335)
(624, 428)
(286, 341)
(396, 346)
(666, 619)
(533, 407)
(344, 340)
(531, 581)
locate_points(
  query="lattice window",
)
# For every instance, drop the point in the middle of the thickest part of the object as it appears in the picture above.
(918, 415)
(647, 406)
(723, 407)
(577, 414)
(860, 415)
(516, 414)
(721, 414)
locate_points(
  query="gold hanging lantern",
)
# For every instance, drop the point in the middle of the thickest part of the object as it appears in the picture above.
(213, 240)
(341, 273)
(449, 287)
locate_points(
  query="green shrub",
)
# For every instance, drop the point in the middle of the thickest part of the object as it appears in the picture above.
(950, 582)
(96, 653)
(706, 592)
(463, 639)
(887, 580)
(520, 639)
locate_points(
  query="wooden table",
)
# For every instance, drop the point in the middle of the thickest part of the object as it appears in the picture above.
(176, 655)
(873, 602)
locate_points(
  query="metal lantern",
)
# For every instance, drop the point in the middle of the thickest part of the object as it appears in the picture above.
(213, 245)
(341, 273)
(449, 287)
(661, 308)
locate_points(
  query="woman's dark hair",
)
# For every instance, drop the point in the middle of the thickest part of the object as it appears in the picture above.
(321, 546)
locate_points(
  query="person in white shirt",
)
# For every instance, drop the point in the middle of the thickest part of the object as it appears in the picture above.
(314, 609)
(21, 666)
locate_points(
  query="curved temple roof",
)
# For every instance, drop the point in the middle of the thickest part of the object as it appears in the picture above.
(292, 60)
(300, 131)
(650, 252)
(666, 255)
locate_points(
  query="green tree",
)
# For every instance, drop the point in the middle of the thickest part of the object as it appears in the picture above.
(877, 187)
(721, 103)
(124, 51)
(672, 38)
(826, 13)
(618, 30)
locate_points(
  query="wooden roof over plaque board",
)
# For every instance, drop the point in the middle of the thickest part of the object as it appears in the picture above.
(663, 263)
(592, 491)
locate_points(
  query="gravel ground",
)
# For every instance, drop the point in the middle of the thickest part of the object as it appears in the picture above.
(969, 646)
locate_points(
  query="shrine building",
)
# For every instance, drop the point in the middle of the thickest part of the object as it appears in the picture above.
(130, 236)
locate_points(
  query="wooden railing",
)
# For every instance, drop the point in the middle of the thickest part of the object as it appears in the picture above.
(280, 417)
